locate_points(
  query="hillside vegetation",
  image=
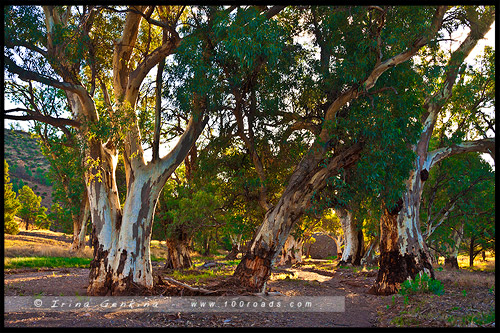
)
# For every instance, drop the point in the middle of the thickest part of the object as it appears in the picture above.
(27, 165)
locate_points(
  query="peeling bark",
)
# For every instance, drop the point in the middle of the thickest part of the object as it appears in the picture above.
(178, 256)
(235, 247)
(353, 239)
(403, 250)
(291, 253)
(402, 255)
(233, 254)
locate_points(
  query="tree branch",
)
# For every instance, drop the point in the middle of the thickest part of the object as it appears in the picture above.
(274, 10)
(137, 75)
(379, 69)
(33, 115)
(123, 51)
(437, 155)
(12, 44)
(435, 102)
(26, 75)
(159, 82)
(194, 128)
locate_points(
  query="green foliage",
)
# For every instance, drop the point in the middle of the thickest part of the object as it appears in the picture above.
(42, 221)
(60, 218)
(460, 190)
(385, 121)
(30, 210)
(11, 204)
(422, 283)
(240, 61)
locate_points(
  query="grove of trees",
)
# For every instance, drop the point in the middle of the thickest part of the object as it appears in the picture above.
(11, 203)
(229, 125)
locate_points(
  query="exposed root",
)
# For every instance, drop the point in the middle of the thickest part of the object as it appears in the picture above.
(171, 287)
(183, 285)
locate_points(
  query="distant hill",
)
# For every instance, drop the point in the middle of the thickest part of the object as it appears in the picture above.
(27, 165)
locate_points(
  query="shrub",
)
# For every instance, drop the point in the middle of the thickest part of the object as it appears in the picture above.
(10, 227)
(422, 284)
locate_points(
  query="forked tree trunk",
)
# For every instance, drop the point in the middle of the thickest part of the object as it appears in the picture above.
(291, 253)
(369, 258)
(178, 256)
(353, 239)
(121, 236)
(122, 240)
(339, 241)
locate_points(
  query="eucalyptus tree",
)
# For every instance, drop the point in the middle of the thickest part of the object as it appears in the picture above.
(479, 225)
(456, 198)
(58, 144)
(90, 51)
(464, 92)
(256, 61)
(357, 46)
(106, 53)
(185, 211)
(30, 208)
(68, 186)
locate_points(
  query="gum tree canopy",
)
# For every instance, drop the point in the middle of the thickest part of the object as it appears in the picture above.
(100, 57)
(455, 103)
(351, 98)
(361, 61)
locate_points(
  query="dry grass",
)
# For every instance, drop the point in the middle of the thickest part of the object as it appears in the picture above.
(40, 246)
(466, 279)
(44, 251)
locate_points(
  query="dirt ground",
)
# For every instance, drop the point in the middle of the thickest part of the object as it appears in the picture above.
(468, 298)
(361, 309)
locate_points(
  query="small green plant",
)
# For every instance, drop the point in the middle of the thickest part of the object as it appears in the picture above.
(479, 319)
(492, 290)
(464, 292)
(422, 284)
